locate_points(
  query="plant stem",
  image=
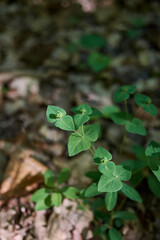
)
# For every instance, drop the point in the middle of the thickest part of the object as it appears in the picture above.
(122, 145)
(91, 151)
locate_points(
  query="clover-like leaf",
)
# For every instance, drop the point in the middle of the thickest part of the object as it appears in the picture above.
(65, 123)
(145, 102)
(123, 93)
(70, 192)
(154, 185)
(54, 113)
(98, 62)
(83, 138)
(153, 153)
(112, 176)
(80, 119)
(40, 194)
(63, 175)
(82, 109)
(136, 126)
(44, 204)
(121, 118)
(49, 178)
(102, 155)
(56, 199)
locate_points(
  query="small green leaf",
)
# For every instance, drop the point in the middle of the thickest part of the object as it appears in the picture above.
(125, 215)
(141, 99)
(96, 114)
(121, 118)
(153, 154)
(154, 185)
(131, 193)
(102, 155)
(65, 123)
(43, 204)
(109, 183)
(80, 119)
(91, 191)
(150, 108)
(70, 192)
(114, 234)
(153, 150)
(40, 194)
(90, 41)
(110, 200)
(56, 199)
(108, 110)
(83, 109)
(123, 93)
(111, 180)
(49, 178)
(145, 102)
(136, 126)
(63, 175)
(83, 138)
(94, 175)
(53, 113)
(98, 62)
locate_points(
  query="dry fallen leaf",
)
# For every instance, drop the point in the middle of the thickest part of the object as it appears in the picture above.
(22, 172)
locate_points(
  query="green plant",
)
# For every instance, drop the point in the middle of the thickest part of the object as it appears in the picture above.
(109, 181)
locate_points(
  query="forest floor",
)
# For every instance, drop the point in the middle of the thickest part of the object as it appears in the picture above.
(42, 62)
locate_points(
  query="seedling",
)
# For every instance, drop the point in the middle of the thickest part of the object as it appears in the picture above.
(111, 180)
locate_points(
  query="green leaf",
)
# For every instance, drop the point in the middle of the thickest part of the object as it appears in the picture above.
(70, 192)
(153, 150)
(110, 200)
(91, 191)
(43, 204)
(94, 175)
(154, 185)
(145, 102)
(123, 93)
(82, 140)
(111, 180)
(136, 126)
(98, 62)
(82, 109)
(108, 110)
(114, 234)
(131, 193)
(102, 155)
(90, 41)
(107, 167)
(63, 175)
(150, 108)
(153, 154)
(80, 119)
(141, 99)
(40, 194)
(125, 215)
(77, 144)
(96, 114)
(56, 199)
(65, 123)
(53, 113)
(121, 118)
(49, 178)
(109, 183)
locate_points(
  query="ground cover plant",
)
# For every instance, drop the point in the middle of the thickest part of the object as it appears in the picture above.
(111, 181)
